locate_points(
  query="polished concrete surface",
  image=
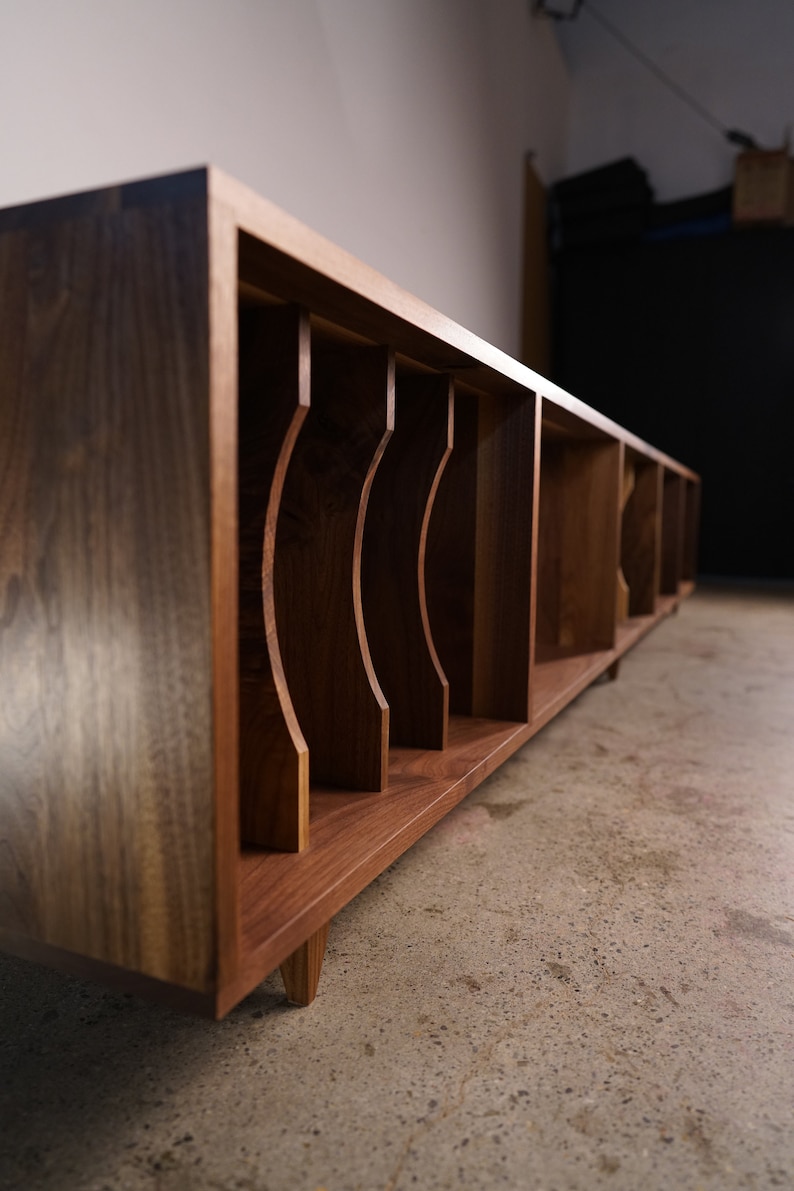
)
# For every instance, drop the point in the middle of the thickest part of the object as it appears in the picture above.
(582, 978)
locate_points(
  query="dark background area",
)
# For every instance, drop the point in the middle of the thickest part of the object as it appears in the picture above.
(689, 343)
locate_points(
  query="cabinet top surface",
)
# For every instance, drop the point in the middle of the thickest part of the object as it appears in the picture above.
(333, 283)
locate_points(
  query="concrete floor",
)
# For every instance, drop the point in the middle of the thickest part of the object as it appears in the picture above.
(582, 978)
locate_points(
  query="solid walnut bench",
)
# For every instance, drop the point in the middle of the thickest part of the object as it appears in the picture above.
(289, 563)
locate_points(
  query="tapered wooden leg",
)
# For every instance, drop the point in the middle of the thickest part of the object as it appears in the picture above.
(614, 670)
(301, 972)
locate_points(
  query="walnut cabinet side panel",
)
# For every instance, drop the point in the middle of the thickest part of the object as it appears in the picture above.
(105, 668)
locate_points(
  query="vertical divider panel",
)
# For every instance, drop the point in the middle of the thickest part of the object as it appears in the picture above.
(593, 482)
(223, 244)
(274, 397)
(450, 559)
(505, 525)
(640, 538)
(691, 523)
(579, 541)
(551, 508)
(393, 562)
(672, 532)
(340, 706)
(629, 474)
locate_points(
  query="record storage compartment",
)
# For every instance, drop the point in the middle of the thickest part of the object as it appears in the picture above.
(291, 563)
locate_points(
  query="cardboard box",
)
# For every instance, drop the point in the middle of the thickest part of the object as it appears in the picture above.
(763, 189)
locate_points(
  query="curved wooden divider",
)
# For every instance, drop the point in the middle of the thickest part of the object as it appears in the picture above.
(393, 563)
(450, 559)
(273, 402)
(317, 571)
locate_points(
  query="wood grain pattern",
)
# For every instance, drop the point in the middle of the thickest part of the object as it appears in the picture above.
(580, 488)
(450, 559)
(503, 575)
(274, 400)
(393, 562)
(105, 722)
(640, 549)
(279, 254)
(224, 574)
(301, 970)
(131, 658)
(21, 811)
(317, 571)
(673, 514)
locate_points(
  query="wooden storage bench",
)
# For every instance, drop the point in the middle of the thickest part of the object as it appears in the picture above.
(289, 563)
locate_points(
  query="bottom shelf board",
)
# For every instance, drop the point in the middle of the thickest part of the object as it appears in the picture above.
(285, 897)
(354, 837)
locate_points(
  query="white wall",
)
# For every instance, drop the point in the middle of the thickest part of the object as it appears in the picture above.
(735, 56)
(395, 127)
